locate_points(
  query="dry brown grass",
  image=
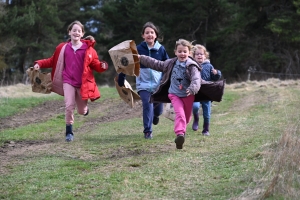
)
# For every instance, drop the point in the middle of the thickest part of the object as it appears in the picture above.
(281, 169)
(283, 164)
(22, 90)
(18, 90)
(270, 83)
(281, 159)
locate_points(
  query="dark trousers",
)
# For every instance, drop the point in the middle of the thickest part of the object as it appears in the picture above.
(149, 110)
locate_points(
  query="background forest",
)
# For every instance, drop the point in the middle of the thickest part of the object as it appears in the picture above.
(245, 37)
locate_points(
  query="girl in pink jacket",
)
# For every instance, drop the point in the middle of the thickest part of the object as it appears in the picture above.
(72, 76)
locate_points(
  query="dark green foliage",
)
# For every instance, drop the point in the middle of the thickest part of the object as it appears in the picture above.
(262, 34)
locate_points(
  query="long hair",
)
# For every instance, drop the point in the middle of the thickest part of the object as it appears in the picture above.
(78, 23)
(155, 28)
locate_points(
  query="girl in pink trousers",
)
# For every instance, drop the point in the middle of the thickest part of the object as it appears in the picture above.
(73, 63)
(180, 83)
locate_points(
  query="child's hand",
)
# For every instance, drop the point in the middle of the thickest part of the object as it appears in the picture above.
(188, 93)
(214, 71)
(104, 65)
(36, 67)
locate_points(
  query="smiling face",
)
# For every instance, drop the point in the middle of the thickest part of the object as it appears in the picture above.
(76, 33)
(149, 36)
(182, 52)
(199, 55)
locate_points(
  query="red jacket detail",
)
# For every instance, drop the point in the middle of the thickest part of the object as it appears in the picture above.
(89, 89)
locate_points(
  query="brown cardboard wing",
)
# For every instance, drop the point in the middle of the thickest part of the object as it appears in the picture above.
(40, 82)
(124, 58)
(126, 93)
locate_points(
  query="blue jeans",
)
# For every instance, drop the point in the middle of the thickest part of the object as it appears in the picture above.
(149, 110)
(206, 109)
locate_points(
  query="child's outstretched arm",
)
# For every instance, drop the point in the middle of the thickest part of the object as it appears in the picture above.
(44, 63)
(152, 63)
(96, 64)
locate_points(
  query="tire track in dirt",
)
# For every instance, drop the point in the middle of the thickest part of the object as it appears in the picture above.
(104, 111)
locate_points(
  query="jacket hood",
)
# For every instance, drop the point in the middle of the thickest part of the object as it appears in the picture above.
(206, 61)
(156, 46)
(90, 43)
(191, 61)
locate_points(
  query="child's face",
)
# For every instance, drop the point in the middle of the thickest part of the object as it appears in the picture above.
(76, 33)
(199, 55)
(182, 53)
(149, 36)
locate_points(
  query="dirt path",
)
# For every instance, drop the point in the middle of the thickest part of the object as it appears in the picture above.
(105, 111)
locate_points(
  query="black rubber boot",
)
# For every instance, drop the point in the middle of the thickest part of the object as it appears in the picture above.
(205, 131)
(69, 133)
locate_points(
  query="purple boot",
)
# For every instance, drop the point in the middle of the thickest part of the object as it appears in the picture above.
(195, 125)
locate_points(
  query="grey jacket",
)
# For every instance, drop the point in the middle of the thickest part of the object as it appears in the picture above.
(193, 69)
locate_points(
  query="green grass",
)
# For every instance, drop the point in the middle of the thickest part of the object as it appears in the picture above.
(114, 161)
(11, 106)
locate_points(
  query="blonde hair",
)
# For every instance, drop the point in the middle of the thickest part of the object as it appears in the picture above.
(78, 23)
(184, 43)
(198, 47)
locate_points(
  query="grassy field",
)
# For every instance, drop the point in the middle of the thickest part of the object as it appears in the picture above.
(252, 153)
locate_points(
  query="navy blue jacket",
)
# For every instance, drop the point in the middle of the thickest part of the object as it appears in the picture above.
(206, 73)
(148, 79)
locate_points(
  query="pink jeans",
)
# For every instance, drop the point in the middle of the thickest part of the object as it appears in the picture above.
(72, 98)
(183, 107)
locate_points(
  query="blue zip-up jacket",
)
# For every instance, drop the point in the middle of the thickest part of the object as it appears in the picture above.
(148, 79)
(206, 73)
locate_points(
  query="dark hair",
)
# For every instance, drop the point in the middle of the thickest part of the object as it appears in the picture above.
(155, 28)
(75, 22)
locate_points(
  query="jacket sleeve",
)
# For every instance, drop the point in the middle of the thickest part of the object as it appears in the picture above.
(50, 62)
(215, 77)
(152, 63)
(165, 56)
(121, 79)
(45, 63)
(195, 80)
(95, 63)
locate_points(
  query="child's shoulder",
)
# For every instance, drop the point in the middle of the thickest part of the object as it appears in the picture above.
(206, 63)
(60, 45)
(191, 61)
